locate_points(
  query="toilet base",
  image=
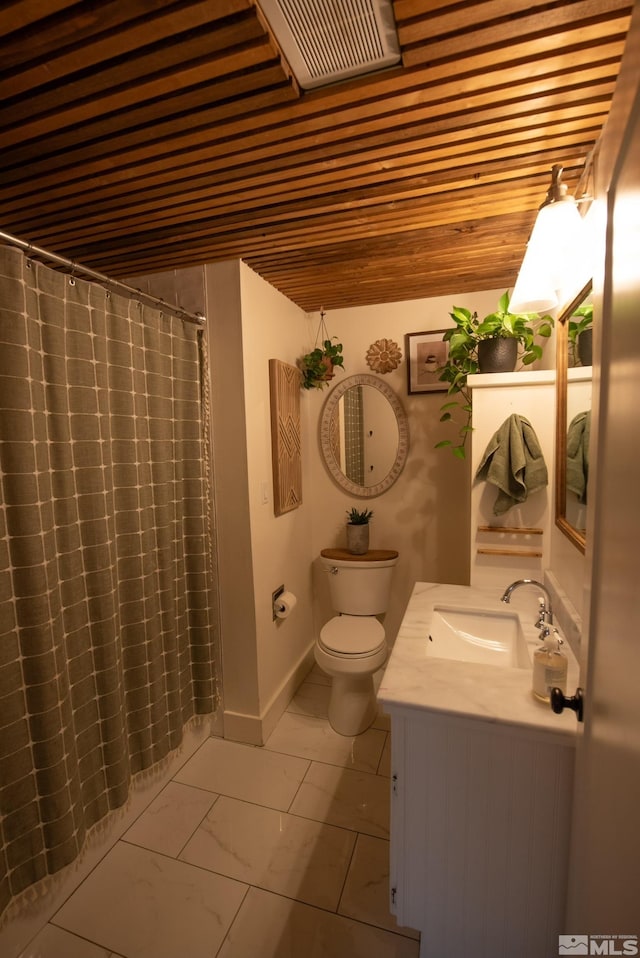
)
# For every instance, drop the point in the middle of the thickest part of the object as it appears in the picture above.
(352, 705)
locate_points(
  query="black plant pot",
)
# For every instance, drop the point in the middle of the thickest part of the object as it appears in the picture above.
(497, 355)
(585, 347)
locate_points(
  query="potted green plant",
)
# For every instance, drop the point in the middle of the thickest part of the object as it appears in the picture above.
(318, 365)
(580, 335)
(480, 345)
(358, 530)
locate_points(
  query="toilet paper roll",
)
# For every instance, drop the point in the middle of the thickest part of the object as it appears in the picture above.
(284, 605)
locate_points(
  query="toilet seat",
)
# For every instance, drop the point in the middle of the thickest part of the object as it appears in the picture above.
(352, 635)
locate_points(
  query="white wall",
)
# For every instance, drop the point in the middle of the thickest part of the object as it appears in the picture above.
(263, 660)
(273, 328)
(233, 528)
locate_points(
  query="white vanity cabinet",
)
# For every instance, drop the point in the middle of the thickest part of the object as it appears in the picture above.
(480, 818)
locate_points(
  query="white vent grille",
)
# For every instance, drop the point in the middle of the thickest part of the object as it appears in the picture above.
(329, 40)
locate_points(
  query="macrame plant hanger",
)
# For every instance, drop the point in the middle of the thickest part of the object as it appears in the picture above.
(323, 341)
(323, 333)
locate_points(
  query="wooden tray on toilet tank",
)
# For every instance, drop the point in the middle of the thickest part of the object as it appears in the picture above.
(374, 555)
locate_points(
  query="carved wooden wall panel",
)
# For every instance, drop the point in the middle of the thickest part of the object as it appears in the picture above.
(286, 449)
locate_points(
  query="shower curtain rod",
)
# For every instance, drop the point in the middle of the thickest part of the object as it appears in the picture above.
(114, 284)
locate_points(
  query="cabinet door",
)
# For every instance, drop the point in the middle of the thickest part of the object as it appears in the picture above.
(479, 836)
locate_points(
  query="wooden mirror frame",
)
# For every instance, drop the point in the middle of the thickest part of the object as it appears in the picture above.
(562, 365)
(328, 410)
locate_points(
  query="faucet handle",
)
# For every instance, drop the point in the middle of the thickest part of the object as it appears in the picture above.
(544, 615)
(548, 630)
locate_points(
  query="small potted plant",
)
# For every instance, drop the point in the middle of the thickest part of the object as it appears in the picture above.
(487, 345)
(358, 530)
(318, 365)
(580, 335)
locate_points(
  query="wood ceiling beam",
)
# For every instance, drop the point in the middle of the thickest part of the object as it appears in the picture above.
(480, 237)
(165, 69)
(436, 153)
(437, 168)
(524, 33)
(397, 118)
(20, 14)
(306, 231)
(53, 48)
(259, 206)
(204, 73)
(421, 90)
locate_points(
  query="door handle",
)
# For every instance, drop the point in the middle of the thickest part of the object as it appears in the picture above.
(560, 702)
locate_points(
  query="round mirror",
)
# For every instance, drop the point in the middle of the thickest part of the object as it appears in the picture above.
(364, 435)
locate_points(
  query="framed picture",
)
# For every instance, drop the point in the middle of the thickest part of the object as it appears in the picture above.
(426, 353)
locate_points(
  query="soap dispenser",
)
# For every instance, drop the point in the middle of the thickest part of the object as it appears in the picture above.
(549, 667)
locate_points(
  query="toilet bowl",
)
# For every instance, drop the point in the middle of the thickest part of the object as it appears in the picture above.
(352, 645)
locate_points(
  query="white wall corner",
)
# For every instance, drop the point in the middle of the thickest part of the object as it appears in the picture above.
(256, 729)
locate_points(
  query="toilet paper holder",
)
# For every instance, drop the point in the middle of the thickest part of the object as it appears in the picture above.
(274, 598)
(283, 603)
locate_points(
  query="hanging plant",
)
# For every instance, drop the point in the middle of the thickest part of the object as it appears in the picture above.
(318, 365)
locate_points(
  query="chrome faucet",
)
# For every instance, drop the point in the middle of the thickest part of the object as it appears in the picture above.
(545, 617)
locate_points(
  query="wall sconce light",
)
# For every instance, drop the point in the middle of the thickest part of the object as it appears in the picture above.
(557, 254)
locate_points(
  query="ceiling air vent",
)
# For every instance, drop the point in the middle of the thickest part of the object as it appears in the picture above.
(330, 40)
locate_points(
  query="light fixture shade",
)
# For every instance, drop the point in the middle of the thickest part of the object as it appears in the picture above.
(533, 292)
(552, 259)
(587, 252)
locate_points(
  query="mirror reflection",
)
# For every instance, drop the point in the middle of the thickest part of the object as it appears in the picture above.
(574, 388)
(364, 435)
(577, 458)
(366, 432)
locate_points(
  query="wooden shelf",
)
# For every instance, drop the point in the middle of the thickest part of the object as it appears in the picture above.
(509, 552)
(512, 530)
(373, 555)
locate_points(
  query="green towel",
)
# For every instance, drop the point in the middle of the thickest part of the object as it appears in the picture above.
(513, 462)
(578, 435)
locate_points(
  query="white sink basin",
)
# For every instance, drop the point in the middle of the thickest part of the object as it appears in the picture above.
(469, 635)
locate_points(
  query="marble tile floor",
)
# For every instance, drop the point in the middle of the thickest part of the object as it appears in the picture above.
(274, 852)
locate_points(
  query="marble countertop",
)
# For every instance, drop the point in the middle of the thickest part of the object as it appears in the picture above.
(417, 681)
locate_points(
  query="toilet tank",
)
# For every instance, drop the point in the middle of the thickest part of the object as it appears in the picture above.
(359, 585)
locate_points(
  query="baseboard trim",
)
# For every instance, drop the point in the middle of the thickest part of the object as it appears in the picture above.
(256, 729)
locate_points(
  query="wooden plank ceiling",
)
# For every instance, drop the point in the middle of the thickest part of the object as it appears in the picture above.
(142, 135)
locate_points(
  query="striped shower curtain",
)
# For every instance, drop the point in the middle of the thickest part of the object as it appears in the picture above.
(107, 615)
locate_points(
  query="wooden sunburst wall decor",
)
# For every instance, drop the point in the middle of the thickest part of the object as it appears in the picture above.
(383, 356)
(286, 444)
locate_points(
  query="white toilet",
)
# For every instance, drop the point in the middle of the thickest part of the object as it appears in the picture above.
(352, 645)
